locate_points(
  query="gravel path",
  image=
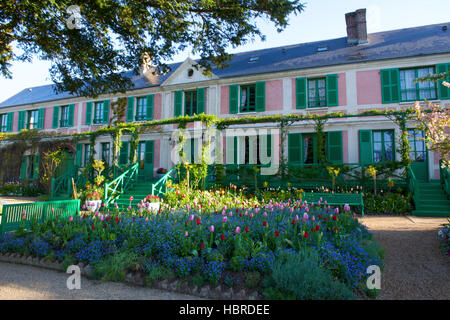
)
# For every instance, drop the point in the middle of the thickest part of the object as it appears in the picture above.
(14, 200)
(414, 268)
(20, 282)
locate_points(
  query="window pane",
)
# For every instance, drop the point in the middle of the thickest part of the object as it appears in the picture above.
(377, 152)
(407, 85)
(376, 136)
(308, 149)
(426, 89)
(322, 92)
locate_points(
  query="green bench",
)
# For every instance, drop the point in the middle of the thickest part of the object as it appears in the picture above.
(12, 214)
(352, 199)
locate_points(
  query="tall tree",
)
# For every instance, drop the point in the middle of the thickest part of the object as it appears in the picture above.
(92, 43)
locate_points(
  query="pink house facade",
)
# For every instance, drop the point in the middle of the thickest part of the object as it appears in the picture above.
(337, 75)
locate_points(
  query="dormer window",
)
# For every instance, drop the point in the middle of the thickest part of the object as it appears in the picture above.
(253, 59)
(190, 73)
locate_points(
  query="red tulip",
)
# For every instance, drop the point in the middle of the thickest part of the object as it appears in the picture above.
(104, 225)
(246, 229)
(320, 216)
(325, 219)
(334, 218)
(131, 198)
(202, 245)
(107, 219)
(198, 221)
(222, 237)
(93, 227)
(336, 229)
(264, 223)
(277, 233)
(317, 228)
(293, 222)
(306, 235)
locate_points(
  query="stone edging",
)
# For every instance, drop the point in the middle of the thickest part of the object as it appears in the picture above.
(138, 279)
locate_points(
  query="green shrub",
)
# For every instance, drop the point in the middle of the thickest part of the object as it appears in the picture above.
(305, 280)
(114, 267)
(272, 293)
(373, 249)
(198, 280)
(157, 272)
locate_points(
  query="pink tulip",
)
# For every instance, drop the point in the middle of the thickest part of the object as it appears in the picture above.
(191, 217)
(225, 219)
(211, 229)
(238, 230)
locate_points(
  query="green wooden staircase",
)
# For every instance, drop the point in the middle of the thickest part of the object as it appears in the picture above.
(138, 191)
(431, 200)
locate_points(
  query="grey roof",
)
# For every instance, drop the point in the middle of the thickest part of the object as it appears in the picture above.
(402, 43)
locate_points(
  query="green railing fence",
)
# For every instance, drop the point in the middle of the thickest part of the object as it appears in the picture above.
(159, 188)
(13, 215)
(120, 184)
(355, 199)
(445, 179)
(413, 185)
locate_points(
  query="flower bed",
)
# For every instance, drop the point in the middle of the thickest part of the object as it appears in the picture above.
(279, 249)
(444, 238)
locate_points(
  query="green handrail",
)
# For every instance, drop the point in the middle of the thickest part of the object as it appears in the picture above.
(120, 184)
(413, 185)
(445, 179)
(159, 187)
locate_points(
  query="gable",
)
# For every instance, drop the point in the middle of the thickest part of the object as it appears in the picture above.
(187, 73)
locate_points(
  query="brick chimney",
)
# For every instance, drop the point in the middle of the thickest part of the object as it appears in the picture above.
(356, 27)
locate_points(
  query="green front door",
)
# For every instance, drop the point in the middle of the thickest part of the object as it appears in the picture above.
(66, 164)
(145, 159)
(418, 154)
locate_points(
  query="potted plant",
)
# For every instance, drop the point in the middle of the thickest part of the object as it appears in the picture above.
(93, 201)
(160, 173)
(152, 203)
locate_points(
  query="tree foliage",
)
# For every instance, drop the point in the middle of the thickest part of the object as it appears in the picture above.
(114, 35)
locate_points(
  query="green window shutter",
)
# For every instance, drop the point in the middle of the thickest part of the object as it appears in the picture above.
(178, 103)
(55, 123)
(71, 114)
(130, 109)
(334, 147)
(37, 161)
(365, 147)
(200, 100)
(21, 124)
(149, 151)
(300, 93)
(78, 154)
(332, 90)
(10, 120)
(295, 148)
(149, 111)
(41, 114)
(106, 111)
(390, 85)
(88, 113)
(123, 155)
(234, 98)
(444, 92)
(260, 96)
(23, 168)
(269, 145)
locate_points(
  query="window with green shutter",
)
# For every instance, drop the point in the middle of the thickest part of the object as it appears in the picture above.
(444, 92)
(41, 115)
(105, 153)
(248, 98)
(88, 113)
(21, 123)
(64, 119)
(317, 93)
(130, 109)
(141, 109)
(390, 85)
(10, 116)
(32, 119)
(201, 102)
(365, 147)
(414, 91)
(334, 147)
(4, 122)
(98, 112)
(300, 93)
(295, 155)
(234, 98)
(149, 107)
(86, 154)
(190, 103)
(260, 96)
(332, 90)
(106, 111)
(71, 114)
(23, 168)
(383, 145)
(178, 103)
(36, 164)
(56, 119)
(78, 154)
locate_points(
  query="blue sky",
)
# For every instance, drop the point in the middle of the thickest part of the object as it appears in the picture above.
(322, 19)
